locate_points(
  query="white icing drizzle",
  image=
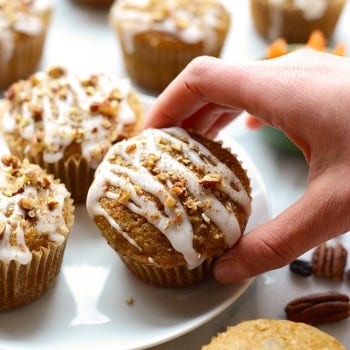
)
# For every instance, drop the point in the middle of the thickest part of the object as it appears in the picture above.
(13, 216)
(131, 178)
(193, 22)
(69, 118)
(18, 17)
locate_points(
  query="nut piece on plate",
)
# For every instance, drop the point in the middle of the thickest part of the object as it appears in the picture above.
(319, 308)
(329, 261)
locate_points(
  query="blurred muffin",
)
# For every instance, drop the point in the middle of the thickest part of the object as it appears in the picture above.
(170, 203)
(263, 334)
(294, 20)
(23, 27)
(36, 214)
(159, 38)
(67, 123)
(95, 3)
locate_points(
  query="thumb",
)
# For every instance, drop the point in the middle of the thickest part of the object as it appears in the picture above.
(318, 216)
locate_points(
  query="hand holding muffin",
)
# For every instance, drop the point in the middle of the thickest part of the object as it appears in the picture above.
(305, 94)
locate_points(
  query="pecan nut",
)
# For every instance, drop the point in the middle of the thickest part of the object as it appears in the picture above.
(319, 308)
(329, 261)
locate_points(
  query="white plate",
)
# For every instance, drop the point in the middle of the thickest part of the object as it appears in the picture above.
(87, 307)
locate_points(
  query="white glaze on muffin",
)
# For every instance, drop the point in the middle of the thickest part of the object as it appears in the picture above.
(127, 166)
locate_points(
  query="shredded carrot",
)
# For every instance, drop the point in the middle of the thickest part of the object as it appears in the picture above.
(277, 48)
(317, 41)
(339, 50)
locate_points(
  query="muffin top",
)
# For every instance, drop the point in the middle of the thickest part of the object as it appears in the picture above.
(60, 115)
(22, 16)
(178, 187)
(263, 334)
(191, 21)
(32, 210)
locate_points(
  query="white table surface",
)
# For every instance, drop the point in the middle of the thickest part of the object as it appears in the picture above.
(81, 40)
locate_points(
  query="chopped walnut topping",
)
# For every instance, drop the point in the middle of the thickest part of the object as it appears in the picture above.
(162, 176)
(52, 203)
(177, 189)
(210, 180)
(27, 203)
(11, 161)
(124, 196)
(131, 148)
(56, 72)
(170, 202)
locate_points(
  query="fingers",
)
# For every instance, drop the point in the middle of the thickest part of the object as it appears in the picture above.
(318, 216)
(253, 122)
(205, 81)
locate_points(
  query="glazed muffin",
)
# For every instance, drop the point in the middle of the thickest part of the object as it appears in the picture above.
(294, 20)
(66, 124)
(36, 214)
(23, 28)
(95, 3)
(170, 203)
(159, 38)
(265, 334)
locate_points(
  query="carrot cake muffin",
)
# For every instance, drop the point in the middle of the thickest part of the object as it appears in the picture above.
(170, 203)
(159, 38)
(23, 27)
(294, 20)
(263, 334)
(36, 214)
(67, 123)
(95, 3)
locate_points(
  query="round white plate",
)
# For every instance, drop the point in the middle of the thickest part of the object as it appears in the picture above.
(88, 309)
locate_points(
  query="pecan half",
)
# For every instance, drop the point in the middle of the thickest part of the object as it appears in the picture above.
(319, 308)
(329, 261)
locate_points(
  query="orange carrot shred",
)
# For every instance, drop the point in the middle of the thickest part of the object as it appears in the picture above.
(277, 48)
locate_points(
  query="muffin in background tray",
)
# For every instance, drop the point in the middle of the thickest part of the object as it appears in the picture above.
(95, 3)
(36, 214)
(263, 334)
(159, 38)
(170, 203)
(294, 20)
(23, 28)
(67, 123)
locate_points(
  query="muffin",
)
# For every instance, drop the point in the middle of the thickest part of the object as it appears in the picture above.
(36, 214)
(170, 203)
(66, 124)
(159, 38)
(294, 20)
(95, 3)
(23, 28)
(263, 334)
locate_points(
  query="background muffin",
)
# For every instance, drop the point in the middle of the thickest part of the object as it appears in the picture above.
(23, 27)
(95, 3)
(265, 334)
(67, 123)
(295, 20)
(169, 204)
(159, 38)
(36, 214)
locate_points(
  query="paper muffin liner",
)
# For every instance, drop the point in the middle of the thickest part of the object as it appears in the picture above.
(75, 172)
(22, 284)
(25, 56)
(153, 68)
(177, 277)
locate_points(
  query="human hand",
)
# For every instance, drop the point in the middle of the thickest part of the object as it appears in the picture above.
(307, 95)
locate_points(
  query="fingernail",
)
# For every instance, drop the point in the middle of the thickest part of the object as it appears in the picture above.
(228, 271)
